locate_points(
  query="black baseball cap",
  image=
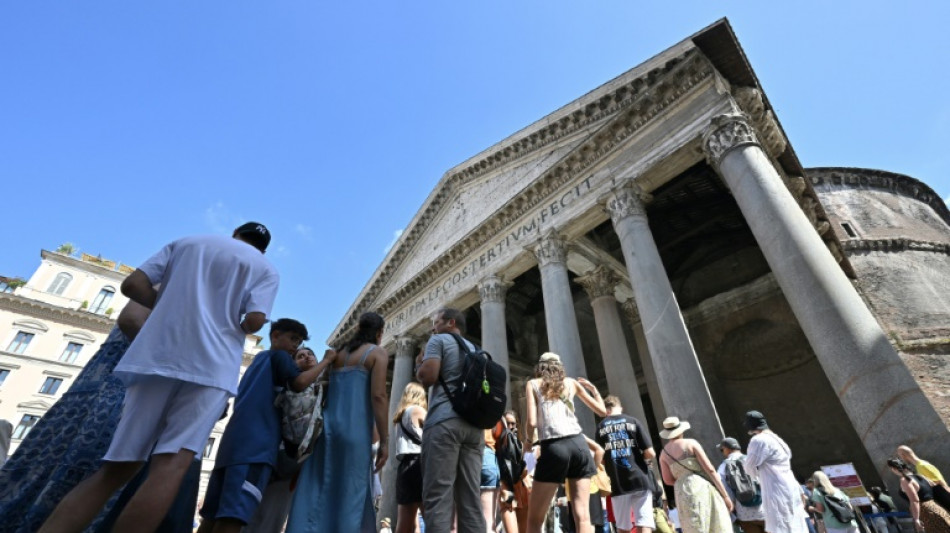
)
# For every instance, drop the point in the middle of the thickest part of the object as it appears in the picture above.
(254, 233)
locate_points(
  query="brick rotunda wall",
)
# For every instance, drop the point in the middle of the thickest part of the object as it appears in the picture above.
(895, 231)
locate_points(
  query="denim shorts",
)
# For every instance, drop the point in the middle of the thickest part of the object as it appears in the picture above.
(491, 478)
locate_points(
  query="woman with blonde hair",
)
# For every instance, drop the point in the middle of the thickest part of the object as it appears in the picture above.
(408, 421)
(564, 452)
(819, 497)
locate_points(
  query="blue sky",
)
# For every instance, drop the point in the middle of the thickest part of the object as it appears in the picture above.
(124, 125)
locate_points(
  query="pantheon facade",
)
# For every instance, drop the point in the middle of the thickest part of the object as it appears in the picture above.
(661, 235)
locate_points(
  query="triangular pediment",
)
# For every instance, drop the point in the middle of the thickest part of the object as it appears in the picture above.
(35, 405)
(470, 196)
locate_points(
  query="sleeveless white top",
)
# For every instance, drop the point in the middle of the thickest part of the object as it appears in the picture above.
(404, 446)
(555, 417)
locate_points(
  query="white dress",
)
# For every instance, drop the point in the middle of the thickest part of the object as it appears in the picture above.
(769, 460)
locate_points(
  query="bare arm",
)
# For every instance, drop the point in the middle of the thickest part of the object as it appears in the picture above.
(596, 449)
(253, 322)
(132, 318)
(139, 289)
(380, 401)
(910, 489)
(307, 377)
(665, 472)
(428, 373)
(531, 420)
(589, 394)
(711, 473)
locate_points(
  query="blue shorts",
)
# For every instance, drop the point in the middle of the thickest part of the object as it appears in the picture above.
(491, 477)
(235, 491)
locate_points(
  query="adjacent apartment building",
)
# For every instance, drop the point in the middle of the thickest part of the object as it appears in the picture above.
(52, 325)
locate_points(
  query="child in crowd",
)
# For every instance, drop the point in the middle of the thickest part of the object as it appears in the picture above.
(249, 446)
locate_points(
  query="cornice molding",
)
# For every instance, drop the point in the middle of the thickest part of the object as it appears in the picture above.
(751, 101)
(493, 289)
(42, 310)
(894, 245)
(85, 266)
(599, 282)
(634, 104)
(881, 180)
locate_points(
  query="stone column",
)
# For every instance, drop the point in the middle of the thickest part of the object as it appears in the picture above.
(621, 379)
(884, 402)
(564, 337)
(406, 351)
(678, 374)
(492, 291)
(649, 375)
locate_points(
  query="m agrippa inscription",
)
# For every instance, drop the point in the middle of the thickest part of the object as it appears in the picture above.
(505, 246)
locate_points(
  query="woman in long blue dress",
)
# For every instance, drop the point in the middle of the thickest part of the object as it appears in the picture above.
(334, 490)
(66, 444)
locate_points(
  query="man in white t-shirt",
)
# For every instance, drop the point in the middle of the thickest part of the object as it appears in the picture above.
(180, 370)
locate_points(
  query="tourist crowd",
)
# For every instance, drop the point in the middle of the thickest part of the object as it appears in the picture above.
(306, 439)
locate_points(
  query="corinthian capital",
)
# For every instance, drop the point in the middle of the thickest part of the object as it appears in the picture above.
(726, 132)
(551, 249)
(598, 282)
(493, 289)
(406, 345)
(626, 201)
(630, 309)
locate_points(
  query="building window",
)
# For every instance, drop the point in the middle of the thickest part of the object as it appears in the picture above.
(101, 303)
(849, 230)
(71, 353)
(59, 284)
(3, 375)
(20, 342)
(51, 385)
(25, 425)
(208, 448)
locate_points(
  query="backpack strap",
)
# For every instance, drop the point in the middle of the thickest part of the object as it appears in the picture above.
(409, 432)
(463, 347)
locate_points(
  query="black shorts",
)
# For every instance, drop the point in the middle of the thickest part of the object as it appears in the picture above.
(564, 458)
(409, 480)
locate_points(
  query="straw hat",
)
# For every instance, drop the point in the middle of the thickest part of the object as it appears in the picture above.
(673, 427)
(385, 521)
(550, 357)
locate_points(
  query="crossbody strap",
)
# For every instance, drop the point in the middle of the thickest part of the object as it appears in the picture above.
(409, 432)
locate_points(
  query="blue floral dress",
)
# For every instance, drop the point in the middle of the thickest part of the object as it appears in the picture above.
(66, 445)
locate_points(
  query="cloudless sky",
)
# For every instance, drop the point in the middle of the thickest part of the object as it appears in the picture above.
(125, 125)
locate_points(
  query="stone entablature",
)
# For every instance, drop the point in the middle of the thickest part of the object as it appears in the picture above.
(882, 180)
(636, 102)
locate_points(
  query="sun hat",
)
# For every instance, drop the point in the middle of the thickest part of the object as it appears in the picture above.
(755, 420)
(550, 357)
(385, 521)
(255, 234)
(673, 427)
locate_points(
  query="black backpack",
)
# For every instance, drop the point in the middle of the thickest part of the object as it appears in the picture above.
(479, 396)
(840, 508)
(510, 457)
(746, 489)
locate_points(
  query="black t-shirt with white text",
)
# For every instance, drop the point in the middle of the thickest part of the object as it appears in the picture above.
(624, 438)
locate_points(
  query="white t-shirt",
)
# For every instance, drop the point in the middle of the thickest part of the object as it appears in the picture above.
(208, 283)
